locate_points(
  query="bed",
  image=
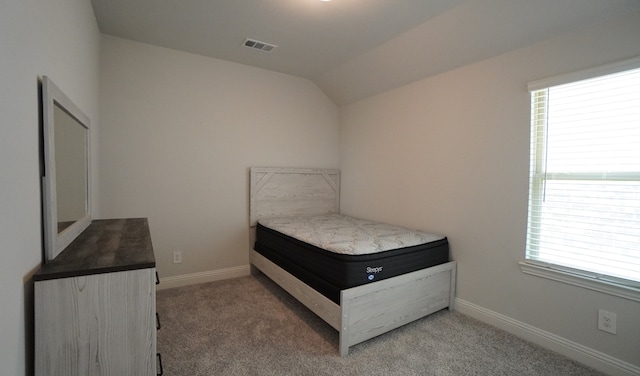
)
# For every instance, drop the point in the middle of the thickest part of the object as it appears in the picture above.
(361, 294)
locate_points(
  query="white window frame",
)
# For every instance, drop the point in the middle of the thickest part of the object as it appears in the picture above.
(566, 275)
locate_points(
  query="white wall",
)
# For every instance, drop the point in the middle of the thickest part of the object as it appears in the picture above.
(178, 135)
(59, 39)
(450, 154)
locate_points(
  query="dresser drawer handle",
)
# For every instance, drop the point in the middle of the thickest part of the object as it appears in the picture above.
(160, 363)
(157, 279)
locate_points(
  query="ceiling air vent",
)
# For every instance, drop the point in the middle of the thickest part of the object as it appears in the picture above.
(257, 45)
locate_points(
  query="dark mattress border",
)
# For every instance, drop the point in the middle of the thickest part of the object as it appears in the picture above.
(328, 272)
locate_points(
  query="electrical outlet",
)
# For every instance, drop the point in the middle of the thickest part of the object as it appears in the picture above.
(607, 321)
(177, 257)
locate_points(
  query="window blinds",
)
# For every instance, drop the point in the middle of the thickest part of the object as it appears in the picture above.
(584, 194)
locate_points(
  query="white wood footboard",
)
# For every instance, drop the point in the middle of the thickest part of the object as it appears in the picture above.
(376, 308)
(370, 310)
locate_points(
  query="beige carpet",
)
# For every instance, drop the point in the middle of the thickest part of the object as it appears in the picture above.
(249, 326)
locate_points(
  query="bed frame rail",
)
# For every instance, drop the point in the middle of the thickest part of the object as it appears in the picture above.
(316, 302)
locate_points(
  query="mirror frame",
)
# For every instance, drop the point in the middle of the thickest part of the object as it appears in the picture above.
(54, 241)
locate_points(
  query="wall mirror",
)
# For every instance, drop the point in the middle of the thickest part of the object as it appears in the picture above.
(66, 181)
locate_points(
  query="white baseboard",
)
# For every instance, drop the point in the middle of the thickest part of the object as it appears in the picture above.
(572, 350)
(202, 277)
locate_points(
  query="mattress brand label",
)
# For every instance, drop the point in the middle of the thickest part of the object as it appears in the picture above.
(371, 272)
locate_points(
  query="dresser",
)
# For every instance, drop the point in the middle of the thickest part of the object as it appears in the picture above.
(95, 304)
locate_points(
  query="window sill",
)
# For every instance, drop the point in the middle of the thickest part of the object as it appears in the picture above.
(606, 287)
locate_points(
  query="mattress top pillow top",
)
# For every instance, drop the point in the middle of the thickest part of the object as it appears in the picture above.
(347, 235)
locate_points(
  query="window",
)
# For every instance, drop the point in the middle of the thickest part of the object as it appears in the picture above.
(584, 181)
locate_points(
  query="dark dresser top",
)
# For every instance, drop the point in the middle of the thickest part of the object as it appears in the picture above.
(107, 245)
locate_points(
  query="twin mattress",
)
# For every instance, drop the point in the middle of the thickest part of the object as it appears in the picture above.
(335, 252)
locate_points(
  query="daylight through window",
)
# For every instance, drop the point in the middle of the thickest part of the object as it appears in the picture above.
(584, 181)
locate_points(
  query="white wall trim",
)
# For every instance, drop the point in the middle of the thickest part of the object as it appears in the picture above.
(585, 355)
(585, 74)
(587, 282)
(202, 277)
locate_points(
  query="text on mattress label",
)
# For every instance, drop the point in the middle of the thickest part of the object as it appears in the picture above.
(377, 269)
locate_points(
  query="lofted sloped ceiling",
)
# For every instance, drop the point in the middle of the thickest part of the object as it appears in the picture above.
(352, 49)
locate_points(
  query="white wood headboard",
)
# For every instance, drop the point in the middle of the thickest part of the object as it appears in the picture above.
(279, 192)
